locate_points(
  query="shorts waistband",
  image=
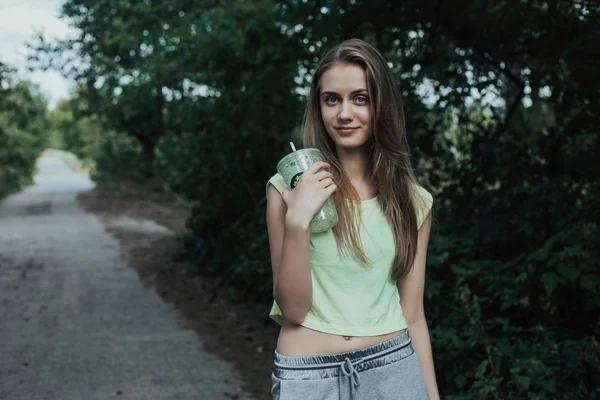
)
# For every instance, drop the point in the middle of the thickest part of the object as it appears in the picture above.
(402, 341)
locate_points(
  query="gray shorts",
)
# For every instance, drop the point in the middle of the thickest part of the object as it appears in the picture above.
(387, 370)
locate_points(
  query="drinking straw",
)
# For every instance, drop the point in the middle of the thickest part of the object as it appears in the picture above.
(293, 147)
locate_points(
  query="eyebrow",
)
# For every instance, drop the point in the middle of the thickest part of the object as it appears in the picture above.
(353, 92)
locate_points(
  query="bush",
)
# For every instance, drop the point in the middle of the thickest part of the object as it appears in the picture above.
(223, 157)
(23, 131)
(118, 156)
(18, 155)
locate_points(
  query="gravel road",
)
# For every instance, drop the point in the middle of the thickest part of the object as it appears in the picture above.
(75, 321)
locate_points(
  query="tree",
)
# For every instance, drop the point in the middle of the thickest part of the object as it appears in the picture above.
(125, 55)
(23, 130)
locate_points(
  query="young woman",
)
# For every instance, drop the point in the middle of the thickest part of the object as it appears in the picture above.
(346, 299)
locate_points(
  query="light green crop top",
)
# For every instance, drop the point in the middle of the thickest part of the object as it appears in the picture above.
(351, 299)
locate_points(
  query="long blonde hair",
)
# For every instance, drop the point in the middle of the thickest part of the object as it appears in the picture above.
(389, 164)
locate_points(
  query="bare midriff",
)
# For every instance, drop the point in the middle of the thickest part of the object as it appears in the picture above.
(297, 340)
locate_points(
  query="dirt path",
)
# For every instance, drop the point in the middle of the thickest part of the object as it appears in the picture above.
(76, 322)
(241, 333)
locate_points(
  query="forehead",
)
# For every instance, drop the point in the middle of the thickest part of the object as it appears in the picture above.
(342, 78)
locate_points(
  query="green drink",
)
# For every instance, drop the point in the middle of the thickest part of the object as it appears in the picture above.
(291, 167)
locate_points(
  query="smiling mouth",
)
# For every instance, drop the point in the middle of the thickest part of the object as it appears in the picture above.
(346, 129)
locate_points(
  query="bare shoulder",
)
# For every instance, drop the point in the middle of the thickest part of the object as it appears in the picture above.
(275, 203)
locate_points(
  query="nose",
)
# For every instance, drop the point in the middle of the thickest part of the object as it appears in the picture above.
(345, 111)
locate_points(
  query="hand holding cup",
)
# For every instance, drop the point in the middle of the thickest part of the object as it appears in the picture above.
(309, 187)
(313, 188)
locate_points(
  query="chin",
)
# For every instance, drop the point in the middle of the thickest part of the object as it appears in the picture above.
(350, 142)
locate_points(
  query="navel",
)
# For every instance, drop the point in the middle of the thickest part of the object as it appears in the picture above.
(346, 337)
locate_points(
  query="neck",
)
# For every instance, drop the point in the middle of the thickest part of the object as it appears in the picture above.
(354, 163)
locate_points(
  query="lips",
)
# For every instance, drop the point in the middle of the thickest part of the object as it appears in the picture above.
(346, 130)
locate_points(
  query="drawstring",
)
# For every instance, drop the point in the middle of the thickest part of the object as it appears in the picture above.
(315, 365)
(352, 373)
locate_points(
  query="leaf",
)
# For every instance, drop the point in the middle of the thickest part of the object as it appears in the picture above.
(569, 272)
(550, 282)
(460, 381)
(523, 382)
(590, 282)
(538, 255)
(481, 368)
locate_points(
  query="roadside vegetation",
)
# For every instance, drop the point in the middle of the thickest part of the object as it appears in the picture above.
(23, 130)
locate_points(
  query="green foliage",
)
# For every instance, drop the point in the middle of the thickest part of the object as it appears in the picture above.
(75, 130)
(238, 143)
(17, 157)
(23, 131)
(129, 63)
(108, 155)
(117, 157)
(525, 318)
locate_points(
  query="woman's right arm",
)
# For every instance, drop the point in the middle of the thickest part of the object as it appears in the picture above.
(288, 221)
(289, 241)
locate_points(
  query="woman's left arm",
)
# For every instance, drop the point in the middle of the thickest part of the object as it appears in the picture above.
(411, 289)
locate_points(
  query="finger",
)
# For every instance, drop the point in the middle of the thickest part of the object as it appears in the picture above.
(331, 189)
(316, 167)
(323, 175)
(327, 182)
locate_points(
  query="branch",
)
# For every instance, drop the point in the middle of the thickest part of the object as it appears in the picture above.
(488, 59)
(515, 103)
(496, 65)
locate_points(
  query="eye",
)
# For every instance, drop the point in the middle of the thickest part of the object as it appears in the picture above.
(362, 99)
(330, 100)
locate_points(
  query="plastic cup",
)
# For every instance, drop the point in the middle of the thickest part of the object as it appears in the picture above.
(291, 167)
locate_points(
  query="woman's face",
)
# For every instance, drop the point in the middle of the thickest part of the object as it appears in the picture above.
(345, 105)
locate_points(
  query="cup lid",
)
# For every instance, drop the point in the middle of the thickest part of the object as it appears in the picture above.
(298, 153)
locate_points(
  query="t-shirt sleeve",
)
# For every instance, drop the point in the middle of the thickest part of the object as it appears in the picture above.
(423, 204)
(277, 181)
